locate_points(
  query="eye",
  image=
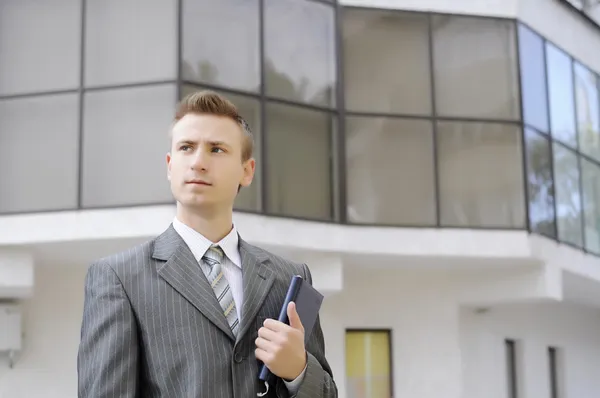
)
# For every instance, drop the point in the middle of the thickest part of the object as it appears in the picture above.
(184, 147)
(216, 149)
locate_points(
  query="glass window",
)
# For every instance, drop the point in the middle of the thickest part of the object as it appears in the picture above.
(386, 62)
(230, 59)
(540, 184)
(481, 175)
(299, 162)
(533, 79)
(590, 174)
(249, 108)
(39, 45)
(390, 174)
(368, 364)
(125, 145)
(39, 153)
(560, 92)
(588, 111)
(475, 67)
(130, 41)
(300, 51)
(568, 200)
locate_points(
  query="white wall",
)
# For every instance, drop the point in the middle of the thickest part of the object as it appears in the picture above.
(574, 330)
(436, 349)
(47, 366)
(501, 8)
(439, 350)
(425, 323)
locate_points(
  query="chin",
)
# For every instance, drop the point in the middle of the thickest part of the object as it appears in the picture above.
(193, 200)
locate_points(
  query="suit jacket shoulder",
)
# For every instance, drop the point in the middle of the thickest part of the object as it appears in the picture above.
(280, 265)
(130, 261)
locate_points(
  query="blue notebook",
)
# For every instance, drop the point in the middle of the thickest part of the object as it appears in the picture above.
(308, 303)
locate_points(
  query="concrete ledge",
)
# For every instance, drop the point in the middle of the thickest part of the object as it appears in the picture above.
(16, 274)
(147, 222)
(327, 246)
(536, 283)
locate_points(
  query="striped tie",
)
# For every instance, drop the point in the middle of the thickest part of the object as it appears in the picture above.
(213, 258)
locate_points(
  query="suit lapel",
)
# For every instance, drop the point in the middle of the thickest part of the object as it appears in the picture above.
(183, 273)
(257, 281)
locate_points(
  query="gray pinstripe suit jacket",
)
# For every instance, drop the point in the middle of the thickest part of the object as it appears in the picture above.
(152, 327)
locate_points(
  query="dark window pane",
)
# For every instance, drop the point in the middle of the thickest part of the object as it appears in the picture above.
(588, 111)
(130, 41)
(386, 62)
(126, 139)
(300, 51)
(540, 184)
(299, 162)
(38, 153)
(390, 175)
(511, 368)
(481, 175)
(39, 45)
(553, 362)
(590, 174)
(475, 67)
(568, 200)
(231, 57)
(533, 79)
(249, 108)
(560, 92)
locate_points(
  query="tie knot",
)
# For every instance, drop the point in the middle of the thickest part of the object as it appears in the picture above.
(214, 255)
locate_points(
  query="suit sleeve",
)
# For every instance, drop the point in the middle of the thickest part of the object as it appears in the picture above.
(108, 351)
(318, 380)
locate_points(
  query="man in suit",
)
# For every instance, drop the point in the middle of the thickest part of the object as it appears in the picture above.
(193, 313)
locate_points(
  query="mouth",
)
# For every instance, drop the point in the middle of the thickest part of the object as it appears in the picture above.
(198, 182)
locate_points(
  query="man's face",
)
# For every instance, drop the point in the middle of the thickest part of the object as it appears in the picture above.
(205, 164)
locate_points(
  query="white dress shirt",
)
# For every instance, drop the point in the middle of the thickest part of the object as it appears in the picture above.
(232, 270)
(231, 264)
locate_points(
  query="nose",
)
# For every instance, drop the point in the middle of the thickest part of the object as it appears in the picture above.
(200, 161)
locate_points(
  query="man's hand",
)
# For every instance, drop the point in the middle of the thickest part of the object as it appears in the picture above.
(281, 347)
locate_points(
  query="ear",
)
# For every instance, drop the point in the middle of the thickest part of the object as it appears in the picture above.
(249, 168)
(168, 166)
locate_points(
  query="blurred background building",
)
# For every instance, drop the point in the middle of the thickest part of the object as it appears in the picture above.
(435, 162)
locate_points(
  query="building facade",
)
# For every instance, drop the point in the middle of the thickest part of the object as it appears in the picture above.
(436, 163)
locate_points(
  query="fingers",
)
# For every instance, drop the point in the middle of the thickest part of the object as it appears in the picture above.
(275, 325)
(263, 355)
(265, 345)
(294, 318)
(268, 334)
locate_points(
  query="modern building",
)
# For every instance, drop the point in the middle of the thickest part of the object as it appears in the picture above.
(435, 162)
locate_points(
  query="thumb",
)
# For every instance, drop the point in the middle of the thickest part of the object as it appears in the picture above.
(294, 317)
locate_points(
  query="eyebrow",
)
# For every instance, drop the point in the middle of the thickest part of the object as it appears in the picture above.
(210, 143)
(217, 143)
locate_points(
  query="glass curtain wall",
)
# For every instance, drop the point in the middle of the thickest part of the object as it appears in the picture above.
(432, 117)
(362, 116)
(561, 116)
(86, 97)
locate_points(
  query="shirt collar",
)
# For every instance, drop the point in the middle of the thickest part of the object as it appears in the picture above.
(199, 244)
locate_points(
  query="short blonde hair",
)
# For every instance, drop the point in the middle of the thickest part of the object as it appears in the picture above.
(211, 103)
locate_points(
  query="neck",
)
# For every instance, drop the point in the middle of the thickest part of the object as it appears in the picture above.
(213, 225)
